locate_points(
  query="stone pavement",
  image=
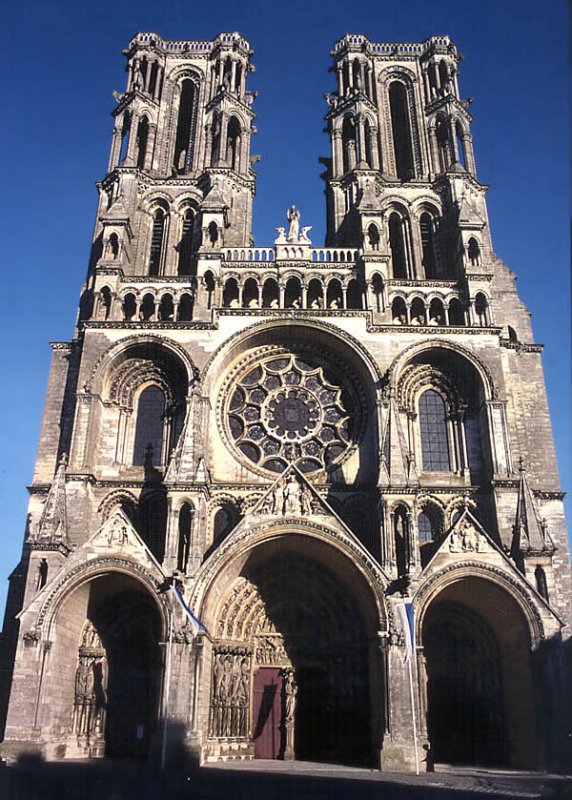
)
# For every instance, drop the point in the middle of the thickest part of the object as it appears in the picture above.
(267, 780)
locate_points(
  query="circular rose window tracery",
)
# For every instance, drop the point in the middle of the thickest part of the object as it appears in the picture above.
(289, 407)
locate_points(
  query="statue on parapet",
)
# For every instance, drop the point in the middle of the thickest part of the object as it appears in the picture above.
(293, 216)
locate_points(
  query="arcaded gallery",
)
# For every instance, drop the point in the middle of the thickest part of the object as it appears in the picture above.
(250, 456)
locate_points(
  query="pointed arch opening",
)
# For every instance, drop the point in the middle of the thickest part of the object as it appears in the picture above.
(401, 131)
(183, 155)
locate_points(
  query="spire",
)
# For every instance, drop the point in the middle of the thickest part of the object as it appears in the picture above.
(397, 463)
(530, 534)
(52, 528)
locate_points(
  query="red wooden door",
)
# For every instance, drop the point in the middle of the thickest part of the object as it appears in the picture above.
(267, 713)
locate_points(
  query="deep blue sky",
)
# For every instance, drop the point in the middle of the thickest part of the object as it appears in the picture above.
(62, 60)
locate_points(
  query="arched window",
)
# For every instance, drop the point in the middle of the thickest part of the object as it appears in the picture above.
(474, 252)
(112, 247)
(233, 144)
(425, 527)
(250, 294)
(184, 544)
(356, 75)
(334, 294)
(230, 294)
(238, 78)
(481, 309)
(185, 308)
(355, 295)
(209, 284)
(399, 311)
(349, 143)
(224, 522)
(460, 139)
(215, 139)
(156, 246)
(456, 313)
(443, 76)
(377, 288)
(417, 312)
(426, 226)
(105, 303)
(125, 128)
(270, 294)
(153, 522)
(512, 336)
(368, 136)
(42, 576)
(397, 246)
(436, 312)
(129, 306)
(293, 293)
(153, 78)
(401, 130)
(541, 585)
(166, 308)
(183, 155)
(433, 429)
(427, 533)
(186, 243)
(315, 294)
(147, 308)
(149, 427)
(400, 519)
(443, 146)
(213, 233)
(142, 140)
(373, 236)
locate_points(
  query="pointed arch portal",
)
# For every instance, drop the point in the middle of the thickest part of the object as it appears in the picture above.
(291, 670)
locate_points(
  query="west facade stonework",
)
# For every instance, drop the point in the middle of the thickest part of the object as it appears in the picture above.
(250, 456)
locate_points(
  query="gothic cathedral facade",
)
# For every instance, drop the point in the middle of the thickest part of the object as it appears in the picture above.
(250, 457)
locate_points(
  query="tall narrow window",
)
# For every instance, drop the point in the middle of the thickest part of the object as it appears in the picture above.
(349, 143)
(183, 142)
(186, 243)
(401, 539)
(233, 144)
(215, 139)
(428, 246)
(124, 138)
(142, 140)
(434, 438)
(401, 129)
(368, 143)
(184, 548)
(156, 247)
(149, 427)
(460, 145)
(397, 246)
(541, 585)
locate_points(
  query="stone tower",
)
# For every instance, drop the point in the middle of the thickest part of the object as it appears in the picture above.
(251, 457)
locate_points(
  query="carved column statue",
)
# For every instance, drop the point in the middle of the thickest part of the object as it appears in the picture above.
(290, 691)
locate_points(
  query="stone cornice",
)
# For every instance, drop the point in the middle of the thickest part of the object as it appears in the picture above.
(143, 325)
(437, 330)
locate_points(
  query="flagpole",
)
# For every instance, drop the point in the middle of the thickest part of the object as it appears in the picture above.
(412, 696)
(167, 690)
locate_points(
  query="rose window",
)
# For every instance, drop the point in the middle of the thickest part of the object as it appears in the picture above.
(289, 408)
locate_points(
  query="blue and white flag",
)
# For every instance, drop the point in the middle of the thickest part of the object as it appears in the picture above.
(196, 625)
(407, 618)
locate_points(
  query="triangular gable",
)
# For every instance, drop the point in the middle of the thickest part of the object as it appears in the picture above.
(467, 539)
(117, 536)
(293, 497)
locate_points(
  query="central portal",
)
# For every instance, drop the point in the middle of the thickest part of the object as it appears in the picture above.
(299, 629)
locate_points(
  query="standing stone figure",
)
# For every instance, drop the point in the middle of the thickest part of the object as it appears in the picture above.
(290, 693)
(293, 216)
